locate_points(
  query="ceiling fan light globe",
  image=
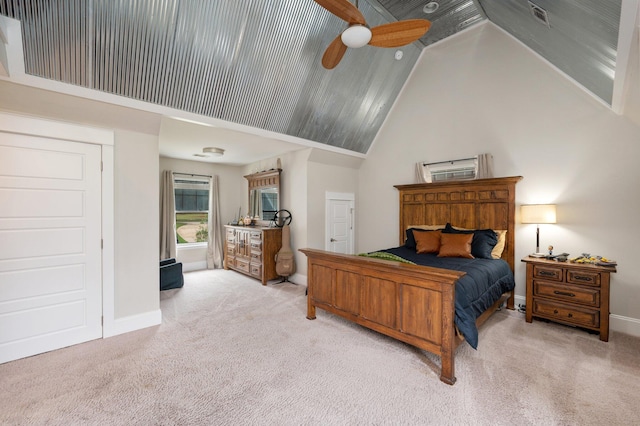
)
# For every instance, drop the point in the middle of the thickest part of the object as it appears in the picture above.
(356, 36)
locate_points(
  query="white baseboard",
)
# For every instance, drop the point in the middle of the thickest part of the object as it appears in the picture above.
(194, 266)
(624, 324)
(619, 323)
(132, 323)
(299, 279)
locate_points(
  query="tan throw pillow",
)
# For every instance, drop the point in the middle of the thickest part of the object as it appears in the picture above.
(496, 253)
(455, 245)
(427, 227)
(427, 242)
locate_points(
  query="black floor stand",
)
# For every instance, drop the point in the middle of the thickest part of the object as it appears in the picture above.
(285, 280)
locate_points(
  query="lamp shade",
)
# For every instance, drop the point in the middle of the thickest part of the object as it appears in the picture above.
(538, 213)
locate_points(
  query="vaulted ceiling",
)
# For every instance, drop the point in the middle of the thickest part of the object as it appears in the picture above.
(257, 63)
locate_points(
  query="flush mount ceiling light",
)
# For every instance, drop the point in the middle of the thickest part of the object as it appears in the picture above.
(215, 152)
(430, 7)
(356, 36)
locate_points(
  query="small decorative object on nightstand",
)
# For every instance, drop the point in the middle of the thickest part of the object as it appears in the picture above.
(569, 293)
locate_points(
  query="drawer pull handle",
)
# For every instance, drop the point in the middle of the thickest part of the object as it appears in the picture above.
(581, 278)
(555, 311)
(570, 315)
(547, 273)
(564, 293)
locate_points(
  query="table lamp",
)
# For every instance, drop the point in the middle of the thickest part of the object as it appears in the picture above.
(538, 213)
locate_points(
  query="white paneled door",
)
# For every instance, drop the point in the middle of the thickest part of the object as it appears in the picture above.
(339, 226)
(50, 244)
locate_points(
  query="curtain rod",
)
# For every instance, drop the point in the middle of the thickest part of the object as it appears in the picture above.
(450, 161)
(191, 174)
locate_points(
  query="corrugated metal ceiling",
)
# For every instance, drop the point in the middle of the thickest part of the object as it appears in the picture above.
(581, 39)
(257, 62)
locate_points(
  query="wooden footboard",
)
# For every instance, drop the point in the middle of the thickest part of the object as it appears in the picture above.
(411, 303)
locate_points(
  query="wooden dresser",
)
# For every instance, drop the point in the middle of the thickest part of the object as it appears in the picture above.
(252, 250)
(569, 293)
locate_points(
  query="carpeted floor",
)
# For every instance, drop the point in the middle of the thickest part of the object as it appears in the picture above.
(230, 351)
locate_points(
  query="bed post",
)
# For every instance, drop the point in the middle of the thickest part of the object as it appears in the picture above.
(511, 301)
(311, 308)
(448, 347)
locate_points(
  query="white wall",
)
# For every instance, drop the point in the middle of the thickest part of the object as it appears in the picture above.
(230, 180)
(307, 175)
(484, 92)
(325, 176)
(295, 176)
(632, 99)
(136, 221)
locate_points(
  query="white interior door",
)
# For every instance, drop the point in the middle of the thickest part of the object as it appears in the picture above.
(340, 218)
(50, 244)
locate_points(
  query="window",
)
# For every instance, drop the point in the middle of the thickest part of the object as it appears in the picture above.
(192, 209)
(451, 170)
(269, 203)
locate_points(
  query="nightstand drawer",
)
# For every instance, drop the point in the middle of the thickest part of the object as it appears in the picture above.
(548, 272)
(568, 314)
(567, 293)
(583, 277)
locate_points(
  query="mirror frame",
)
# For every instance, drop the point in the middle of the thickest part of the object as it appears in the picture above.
(260, 180)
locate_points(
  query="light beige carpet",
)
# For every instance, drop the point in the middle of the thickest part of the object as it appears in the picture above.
(230, 351)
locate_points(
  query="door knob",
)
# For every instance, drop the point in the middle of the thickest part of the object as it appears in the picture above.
(333, 240)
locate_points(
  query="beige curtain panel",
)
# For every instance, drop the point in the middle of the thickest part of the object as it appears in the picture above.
(421, 173)
(167, 217)
(485, 166)
(216, 235)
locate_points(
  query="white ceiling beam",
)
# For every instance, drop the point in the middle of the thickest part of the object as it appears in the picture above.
(627, 40)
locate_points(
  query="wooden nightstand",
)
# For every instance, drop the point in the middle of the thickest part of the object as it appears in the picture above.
(569, 293)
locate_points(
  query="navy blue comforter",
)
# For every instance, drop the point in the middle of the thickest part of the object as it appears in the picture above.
(485, 281)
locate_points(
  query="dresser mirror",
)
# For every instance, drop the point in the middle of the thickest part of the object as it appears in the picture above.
(264, 195)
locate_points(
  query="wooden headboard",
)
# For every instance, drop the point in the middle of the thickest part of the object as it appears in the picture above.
(473, 204)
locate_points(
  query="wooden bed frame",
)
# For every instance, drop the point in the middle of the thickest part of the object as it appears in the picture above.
(411, 303)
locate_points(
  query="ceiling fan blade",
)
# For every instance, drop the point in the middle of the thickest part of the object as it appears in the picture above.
(344, 10)
(334, 53)
(399, 33)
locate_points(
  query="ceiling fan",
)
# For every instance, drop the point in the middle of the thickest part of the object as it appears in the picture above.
(358, 34)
